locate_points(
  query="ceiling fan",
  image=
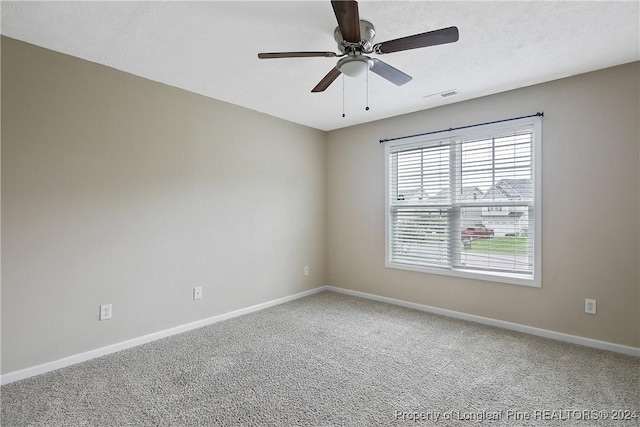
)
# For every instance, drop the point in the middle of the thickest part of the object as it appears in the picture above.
(355, 41)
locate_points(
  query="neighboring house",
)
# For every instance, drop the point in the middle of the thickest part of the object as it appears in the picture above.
(508, 219)
(412, 195)
(470, 215)
(467, 193)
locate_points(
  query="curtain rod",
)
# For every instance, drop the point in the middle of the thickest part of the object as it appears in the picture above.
(538, 114)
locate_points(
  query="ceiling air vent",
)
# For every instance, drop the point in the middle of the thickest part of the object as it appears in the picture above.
(440, 95)
(449, 93)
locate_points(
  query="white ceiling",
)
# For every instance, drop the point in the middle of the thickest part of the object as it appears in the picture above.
(210, 48)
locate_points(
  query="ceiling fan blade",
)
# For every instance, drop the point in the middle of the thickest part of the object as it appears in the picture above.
(348, 19)
(273, 55)
(390, 73)
(431, 38)
(327, 80)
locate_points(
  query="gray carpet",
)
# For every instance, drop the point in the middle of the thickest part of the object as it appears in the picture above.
(331, 359)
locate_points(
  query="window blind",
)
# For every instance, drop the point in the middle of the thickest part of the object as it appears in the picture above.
(420, 230)
(464, 202)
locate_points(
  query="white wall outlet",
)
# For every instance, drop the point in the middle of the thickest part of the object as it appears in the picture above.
(197, 292)
(105, 312)
(306, 270)
(589, 306)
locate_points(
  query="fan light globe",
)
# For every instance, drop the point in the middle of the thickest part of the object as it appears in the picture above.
(354, 67)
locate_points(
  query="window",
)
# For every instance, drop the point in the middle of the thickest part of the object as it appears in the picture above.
(467, 204)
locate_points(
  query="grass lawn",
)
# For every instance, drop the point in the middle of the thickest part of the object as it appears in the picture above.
(500, 245)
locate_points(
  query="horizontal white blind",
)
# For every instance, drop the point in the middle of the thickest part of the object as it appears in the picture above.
(421, 237)
(420, 173)
(496, 192)
(508, 249)
(420, 232)
(500, 166)
(464, 203)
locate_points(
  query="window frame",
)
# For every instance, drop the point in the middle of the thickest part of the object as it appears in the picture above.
(531, 280)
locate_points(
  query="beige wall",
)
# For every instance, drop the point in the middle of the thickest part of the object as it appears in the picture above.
(119, 190)
(590, 208)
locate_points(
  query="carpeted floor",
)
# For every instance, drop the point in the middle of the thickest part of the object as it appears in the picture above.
(331, 359)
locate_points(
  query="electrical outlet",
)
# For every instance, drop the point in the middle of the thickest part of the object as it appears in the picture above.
(589, 306)
(197, 292)
(105, 312)
(306, 270)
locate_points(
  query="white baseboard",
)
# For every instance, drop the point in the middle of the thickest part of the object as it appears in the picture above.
(559, 336)
(103, 351)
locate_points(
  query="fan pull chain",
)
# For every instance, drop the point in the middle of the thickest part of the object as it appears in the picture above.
(367, 107)
(343, 115)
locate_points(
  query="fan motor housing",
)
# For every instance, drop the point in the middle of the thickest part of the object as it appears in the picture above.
(367, 32)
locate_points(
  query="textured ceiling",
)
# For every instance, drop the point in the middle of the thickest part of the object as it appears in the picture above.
(210, 48)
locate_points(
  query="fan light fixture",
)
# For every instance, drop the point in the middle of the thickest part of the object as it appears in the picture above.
(354, 66)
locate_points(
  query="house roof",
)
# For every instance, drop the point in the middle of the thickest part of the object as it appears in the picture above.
(466, 192)
(510, 189)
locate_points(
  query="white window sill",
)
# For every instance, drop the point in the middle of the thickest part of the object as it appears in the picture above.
(491, 276)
